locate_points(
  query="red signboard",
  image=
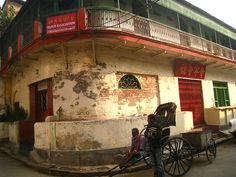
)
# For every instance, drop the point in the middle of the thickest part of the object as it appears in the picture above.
(189, 69)
(61, 23)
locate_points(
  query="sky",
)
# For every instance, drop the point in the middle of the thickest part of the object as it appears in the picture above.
(223, 10)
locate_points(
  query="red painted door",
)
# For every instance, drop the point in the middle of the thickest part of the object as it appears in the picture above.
(190, 92)
(41, 106)
(26, 127)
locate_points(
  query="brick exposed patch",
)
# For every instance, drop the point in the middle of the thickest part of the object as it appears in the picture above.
(137, 99)
(105, 92)
(147, 91)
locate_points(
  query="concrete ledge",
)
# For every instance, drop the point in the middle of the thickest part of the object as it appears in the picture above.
(85, 171)
(223, 139)
(81, 158)
(73, 171)
(4, 141)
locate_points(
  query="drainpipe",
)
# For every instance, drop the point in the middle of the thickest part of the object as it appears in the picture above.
(82, 3)
(178, 20)
(118, 4)
(230, 44)
(216, 37)
(200, 29)
(147, 8)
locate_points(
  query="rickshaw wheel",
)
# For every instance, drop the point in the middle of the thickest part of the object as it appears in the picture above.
(211, 150)
(177, 156)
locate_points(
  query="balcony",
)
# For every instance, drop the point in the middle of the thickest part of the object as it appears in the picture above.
(126, 22)
(120, 22)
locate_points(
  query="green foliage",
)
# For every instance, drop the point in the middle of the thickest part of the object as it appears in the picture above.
(13, 115)
(6, 16)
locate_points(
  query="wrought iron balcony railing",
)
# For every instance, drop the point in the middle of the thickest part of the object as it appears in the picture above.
(106, 19)
(120, 21)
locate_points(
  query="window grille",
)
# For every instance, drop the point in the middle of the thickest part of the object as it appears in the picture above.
(129, 82)
(43, 97)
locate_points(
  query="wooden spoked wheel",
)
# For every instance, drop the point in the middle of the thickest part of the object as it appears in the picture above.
(211, 150)
(177, 156)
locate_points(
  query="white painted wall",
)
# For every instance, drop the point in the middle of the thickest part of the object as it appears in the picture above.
(221, 76)
(14, 137)
(4, 130)
(91, 135)
(67, 69)
(79, 105)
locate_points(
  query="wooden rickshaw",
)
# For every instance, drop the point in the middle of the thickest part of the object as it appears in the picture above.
(177, 152)
(167, 112)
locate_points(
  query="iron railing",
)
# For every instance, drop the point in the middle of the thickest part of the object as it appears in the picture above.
(100, 19)
(125, 21)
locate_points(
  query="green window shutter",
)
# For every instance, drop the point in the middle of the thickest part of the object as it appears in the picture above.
(221, 94)
(216, 98)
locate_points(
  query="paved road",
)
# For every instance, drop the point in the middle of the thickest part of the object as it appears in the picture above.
(12, 168)
(223, 166)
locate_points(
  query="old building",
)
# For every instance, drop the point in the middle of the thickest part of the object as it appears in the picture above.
(89, 71)
(17, 4)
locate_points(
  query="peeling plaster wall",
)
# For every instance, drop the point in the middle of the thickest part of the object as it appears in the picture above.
(14, 136)
(95, 114)
(93, 135)
(43, 132)
(82, 83)
(34, 70)
(92, 106)
(92, 89)
(4, 130)
(86, 135)
(84, 88)
(137, 102)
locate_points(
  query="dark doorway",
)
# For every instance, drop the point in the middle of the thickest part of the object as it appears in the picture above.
(41, 106)
(42, 100)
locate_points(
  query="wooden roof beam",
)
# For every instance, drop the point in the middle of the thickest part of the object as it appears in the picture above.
(220, 65)
(140, 49)
(228, 67)
(159, 53)
(119, 44)
(210, 63)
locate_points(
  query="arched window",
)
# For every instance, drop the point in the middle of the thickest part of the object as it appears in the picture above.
(129, 82)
